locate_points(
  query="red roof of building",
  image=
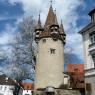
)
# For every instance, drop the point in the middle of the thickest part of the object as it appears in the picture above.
(74, 67)
(76, 72)
(28, 86)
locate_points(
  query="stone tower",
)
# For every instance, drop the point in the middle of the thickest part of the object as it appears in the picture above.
(50, 55)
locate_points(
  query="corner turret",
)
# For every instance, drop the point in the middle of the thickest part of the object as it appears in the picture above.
(38, 29)
(62, 33)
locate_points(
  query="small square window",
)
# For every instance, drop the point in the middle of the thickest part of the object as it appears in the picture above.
(44, 40)
(52, 51)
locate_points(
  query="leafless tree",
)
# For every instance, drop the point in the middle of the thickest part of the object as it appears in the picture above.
(23, 51)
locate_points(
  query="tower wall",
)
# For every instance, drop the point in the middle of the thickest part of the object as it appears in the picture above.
(50, 64)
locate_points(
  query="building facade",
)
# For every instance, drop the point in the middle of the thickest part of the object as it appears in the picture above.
(50, 55)
(26, 89)
(88, 34)
(7, 86)
(76, 72)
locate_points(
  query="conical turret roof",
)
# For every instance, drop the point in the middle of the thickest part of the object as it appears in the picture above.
(55, 22)
(50, 18)
(39, 26)
(62, 29)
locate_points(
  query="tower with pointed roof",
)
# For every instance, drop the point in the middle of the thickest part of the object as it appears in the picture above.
(50, 55)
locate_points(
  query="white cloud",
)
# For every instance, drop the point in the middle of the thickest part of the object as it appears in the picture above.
(9, 17)
(7, 35)
(74, 40)
(32, 7)
(65, 10)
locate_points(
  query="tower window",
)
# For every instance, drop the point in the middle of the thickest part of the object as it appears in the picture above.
(44, 40)
(52, 51)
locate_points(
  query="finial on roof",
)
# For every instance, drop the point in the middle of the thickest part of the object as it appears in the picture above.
(51, 2)
(61, 28)
(61, 21)
(39, 21)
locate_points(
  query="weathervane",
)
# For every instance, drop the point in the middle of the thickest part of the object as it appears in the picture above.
(61, 21)
(51, 2)
(40, 12)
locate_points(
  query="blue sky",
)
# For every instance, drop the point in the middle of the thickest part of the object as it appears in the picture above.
(74, 14)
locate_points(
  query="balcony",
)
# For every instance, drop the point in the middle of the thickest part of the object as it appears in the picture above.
(90, 72)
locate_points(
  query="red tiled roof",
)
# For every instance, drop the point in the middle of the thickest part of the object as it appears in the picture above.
(73, 67)
(29, 86)
(76, 72)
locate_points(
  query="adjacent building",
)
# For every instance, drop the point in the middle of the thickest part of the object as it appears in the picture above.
(27, 89)
(76, 72)
(76, 80)
(88, 34)
(7, 85)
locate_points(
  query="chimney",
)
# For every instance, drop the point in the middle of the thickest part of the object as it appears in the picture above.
(92, 15)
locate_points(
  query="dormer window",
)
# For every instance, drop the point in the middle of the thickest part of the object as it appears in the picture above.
(37, 33)
(54, 28)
